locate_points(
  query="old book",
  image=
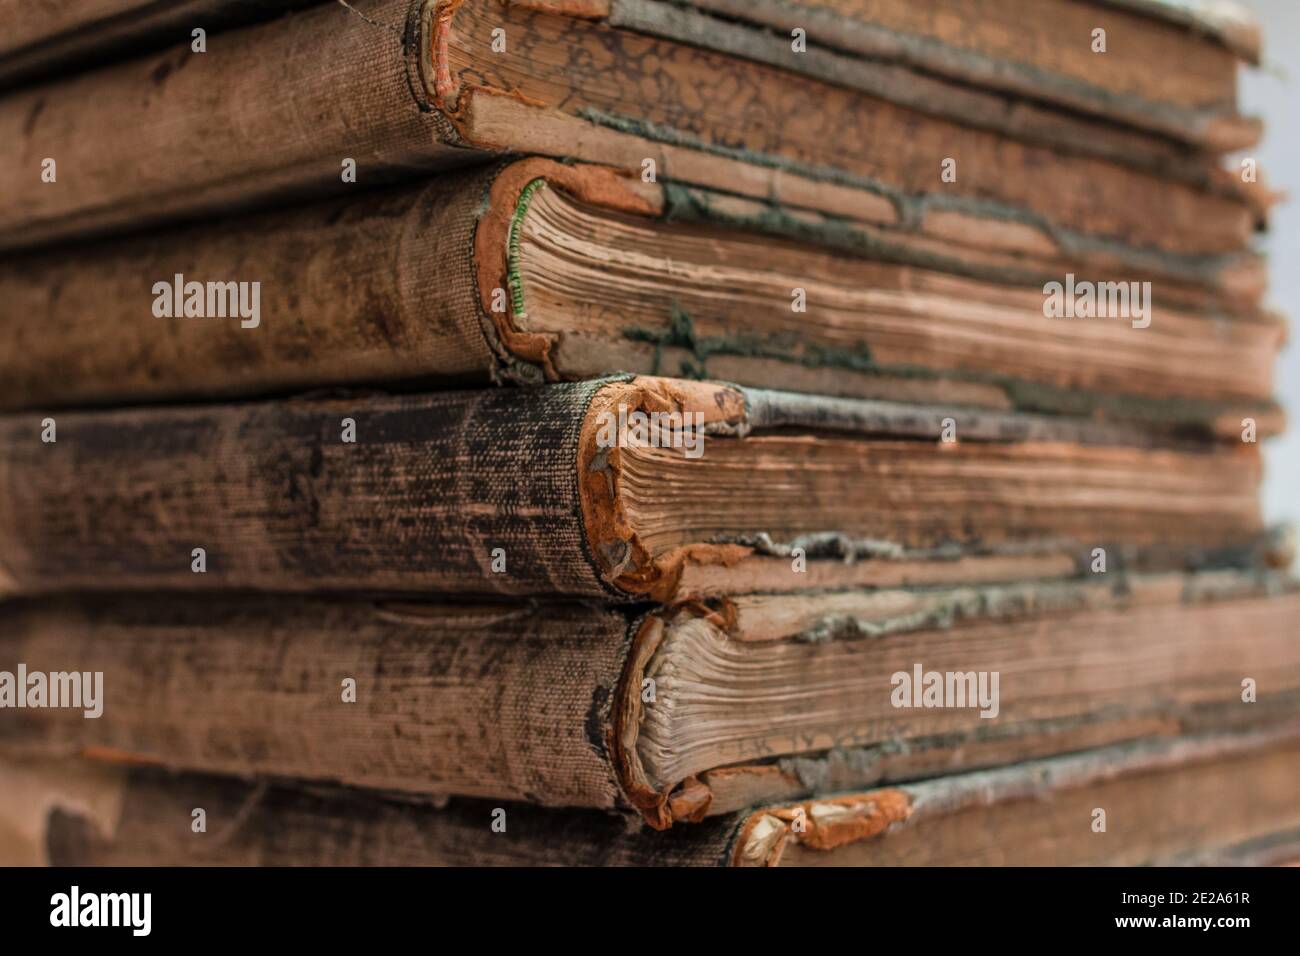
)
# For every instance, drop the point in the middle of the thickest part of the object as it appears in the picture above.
(381, 88)
(537, 271)
(1169, 70)
(620, 488)
(678, 713)
(1169, 66)
(70, 35)
(1235, 797)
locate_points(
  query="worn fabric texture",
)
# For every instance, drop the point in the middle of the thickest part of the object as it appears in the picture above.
(350, 291)
(261, 825)
(505, 702)
(38, 38)
(278, 500)
(273, 109)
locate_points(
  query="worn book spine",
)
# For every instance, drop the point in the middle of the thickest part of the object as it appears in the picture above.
(375, 289)
(66, 814)
(528, 491)
(404, 494)
(493, 701)
(426, 283)
(395, 87)
(267, 110)
(71, 35)
(549, 704)
(1236, 796)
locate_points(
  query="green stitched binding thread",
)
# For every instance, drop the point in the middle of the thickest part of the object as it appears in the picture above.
(515, 281)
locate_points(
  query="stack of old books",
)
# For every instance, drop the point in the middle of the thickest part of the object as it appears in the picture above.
(630, 431)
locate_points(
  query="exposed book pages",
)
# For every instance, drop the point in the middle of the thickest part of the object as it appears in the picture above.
(679, 713)
(538, 271)
(384, 88)
(612, 489)
(1233, 796)
(62, 36)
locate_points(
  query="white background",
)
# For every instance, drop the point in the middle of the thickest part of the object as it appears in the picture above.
(1273, 93)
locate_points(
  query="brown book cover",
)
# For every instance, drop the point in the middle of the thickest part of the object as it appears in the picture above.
(40, 41)
(679, 713)
(1224, 798)
(624, 488)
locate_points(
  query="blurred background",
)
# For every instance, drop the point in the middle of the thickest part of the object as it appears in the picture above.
(1272, 94)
